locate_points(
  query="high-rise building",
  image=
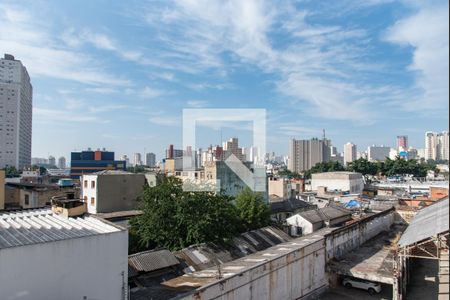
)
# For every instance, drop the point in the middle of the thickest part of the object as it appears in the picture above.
(137, 159)
(437, 145)
(150, 160)
(350, 153)
(378, 153)
(402, 142)
(52, 160)
(305, 154)
(171, 152)
(232, 147)
(62, 162)
(16, 94)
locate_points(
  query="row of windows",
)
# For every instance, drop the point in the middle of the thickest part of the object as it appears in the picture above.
(92, 200)
(86, 184)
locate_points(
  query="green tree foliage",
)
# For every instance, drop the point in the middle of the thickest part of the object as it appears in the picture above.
(175, 219)
(290, 174)
(329, 166)
(391, 167)
(253, 211)
(11, 172)
(136, 169)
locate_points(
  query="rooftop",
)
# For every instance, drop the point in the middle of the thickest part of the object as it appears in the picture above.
(152, 260)
(429, 221)
(324, 214)
(41, 226)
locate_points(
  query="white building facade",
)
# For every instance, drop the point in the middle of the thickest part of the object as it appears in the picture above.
(16, 95)
(437, 145)
(341, 181)
(350, 153)
(109, 191)
(56, 257)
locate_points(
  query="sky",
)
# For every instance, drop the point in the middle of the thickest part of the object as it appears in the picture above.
(118, 74)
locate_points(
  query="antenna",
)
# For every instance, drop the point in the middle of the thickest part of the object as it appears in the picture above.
(323, 134)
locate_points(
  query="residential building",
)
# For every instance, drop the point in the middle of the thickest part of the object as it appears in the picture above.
(126, 159)
(378, 153)
(351, 182)
(87, 162)
(34, 195)
(62, 162)
(279, 188)
(305, 154)
(137, 159)
(350, 153)
(171, 152)
(110, 190)
(232, 147)
(221, 177)
(309, 221)
(402, 142)
(281, 210)
(44, 255)
(16, 98)
(437, 145)
(150, 160)
(52, 160)
(2, 189)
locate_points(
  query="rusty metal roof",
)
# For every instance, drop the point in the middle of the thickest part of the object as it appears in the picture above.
(429, 221)
(148, 261)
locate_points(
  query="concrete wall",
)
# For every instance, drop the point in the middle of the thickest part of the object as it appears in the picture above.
(295, 275)
(299, 221)
(342, 240)
(2, 189)
(95, 267)
(119, 192)
(354, 186)
(115, 192)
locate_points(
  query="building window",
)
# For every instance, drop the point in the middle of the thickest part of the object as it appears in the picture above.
(27, 199)
(92, 200)
(93, 184)
(85, 184)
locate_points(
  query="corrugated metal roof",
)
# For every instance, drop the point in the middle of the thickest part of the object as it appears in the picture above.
(325, 214)
(206, 255)
(148, 261)
(429, 221)
(42, 226)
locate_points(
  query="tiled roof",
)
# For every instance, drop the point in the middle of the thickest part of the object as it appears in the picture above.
(42, 226)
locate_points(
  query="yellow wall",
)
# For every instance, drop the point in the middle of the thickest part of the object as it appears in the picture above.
(2, 189)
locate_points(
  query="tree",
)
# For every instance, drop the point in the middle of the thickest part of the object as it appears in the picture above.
(11, 172)
(252, 209)
(364, 167)
(289, 174)
(328, 166)
(174, 219)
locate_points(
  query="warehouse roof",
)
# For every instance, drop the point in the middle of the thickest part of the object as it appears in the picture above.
(429, 221)
(41, 226)
(324, 214)
(148, 261)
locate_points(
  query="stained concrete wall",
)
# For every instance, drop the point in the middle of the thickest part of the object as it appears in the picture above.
(91, 267)
(299, 274)
(342, 240)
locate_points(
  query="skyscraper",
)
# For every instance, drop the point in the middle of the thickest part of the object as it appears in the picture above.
(437, 145)
(305, 154)
(350, 153)
(16, 94)
(402, 142)
(150, 160)
(137, 159)
(52, 160)
(62, 162)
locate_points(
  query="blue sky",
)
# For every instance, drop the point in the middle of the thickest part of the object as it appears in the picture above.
(117, 74)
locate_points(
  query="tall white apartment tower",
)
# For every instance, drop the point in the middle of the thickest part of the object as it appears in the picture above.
(437, 145)
(16, 94)
(350, 153)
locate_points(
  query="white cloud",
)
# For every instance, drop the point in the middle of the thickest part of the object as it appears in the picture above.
(32, 43)
(427, 32)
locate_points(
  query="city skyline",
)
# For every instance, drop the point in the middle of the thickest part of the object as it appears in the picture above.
(310, 65)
